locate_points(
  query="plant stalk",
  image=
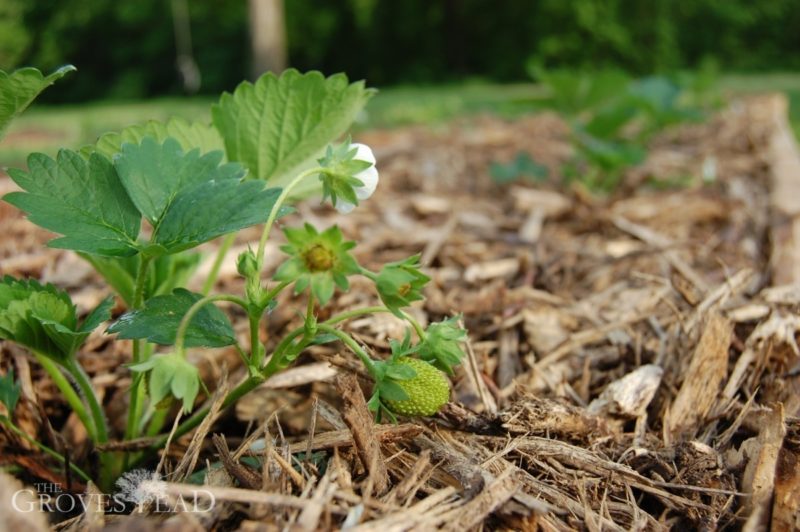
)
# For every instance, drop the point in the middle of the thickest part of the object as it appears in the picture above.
(272, 367)
(180, 334)
(276, 208)
(137, 393)
(354, 347)
(245, 387)
(44, 448)
(221, 254)
(85, 386)
(72, 397)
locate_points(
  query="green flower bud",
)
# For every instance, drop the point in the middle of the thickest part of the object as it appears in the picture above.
(400, 283)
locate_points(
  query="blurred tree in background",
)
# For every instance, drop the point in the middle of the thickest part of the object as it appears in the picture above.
(126, 49)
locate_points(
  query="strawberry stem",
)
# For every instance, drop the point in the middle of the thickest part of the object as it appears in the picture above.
(354, 347)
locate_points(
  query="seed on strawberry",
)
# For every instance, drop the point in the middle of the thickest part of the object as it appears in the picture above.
(427, 392)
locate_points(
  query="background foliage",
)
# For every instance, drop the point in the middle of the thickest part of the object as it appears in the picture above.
(125, 49)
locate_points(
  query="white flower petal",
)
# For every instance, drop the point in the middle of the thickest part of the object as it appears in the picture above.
(370, 179)
(363, 152)
(344, 207)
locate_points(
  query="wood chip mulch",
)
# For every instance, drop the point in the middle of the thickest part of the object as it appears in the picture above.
(632, 364)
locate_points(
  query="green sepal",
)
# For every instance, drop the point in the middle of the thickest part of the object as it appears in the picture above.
(379, 408)
(319, 260)
(338, 170)
(392, 391)
(401, 283)
(171, 375)
(442, 344)
(402, 348)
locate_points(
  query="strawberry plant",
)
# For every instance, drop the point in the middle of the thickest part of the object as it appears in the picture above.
(20, 88)
(137, 202)
(611, 118)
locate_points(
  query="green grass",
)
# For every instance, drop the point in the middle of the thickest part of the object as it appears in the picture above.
(46, 129)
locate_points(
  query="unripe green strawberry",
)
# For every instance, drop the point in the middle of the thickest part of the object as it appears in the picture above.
(427, 392)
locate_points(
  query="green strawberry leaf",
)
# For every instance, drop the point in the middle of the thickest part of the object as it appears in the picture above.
(83, 201)
(9, 391)
(154, 173)
(101, 313)
(189, 135)
(188, 198)
(212, 209)
(158, 322)
(44, 319)
(281, 122)
(69, 340)
(21, 87)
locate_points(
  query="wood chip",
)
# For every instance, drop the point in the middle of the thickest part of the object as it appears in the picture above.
(759, 476)
(785, 196)
(703, 378)
(359, 421)
(629, 396)
(786, 505)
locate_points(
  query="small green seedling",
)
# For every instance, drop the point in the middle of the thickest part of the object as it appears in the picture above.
(611, 117)
(136, 204)
(522, 167)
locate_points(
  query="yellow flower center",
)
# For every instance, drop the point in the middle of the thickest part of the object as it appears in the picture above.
(404, 289)
(318, 258)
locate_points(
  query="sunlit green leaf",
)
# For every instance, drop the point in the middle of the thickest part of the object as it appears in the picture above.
(190, 135)
(280, 122)
(21, 87)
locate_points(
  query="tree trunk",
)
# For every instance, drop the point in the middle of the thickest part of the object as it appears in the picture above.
(267, 36)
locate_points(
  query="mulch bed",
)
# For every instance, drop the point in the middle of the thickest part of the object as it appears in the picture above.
(632, 360)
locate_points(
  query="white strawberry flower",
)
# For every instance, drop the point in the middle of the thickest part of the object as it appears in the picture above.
(368, 176)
